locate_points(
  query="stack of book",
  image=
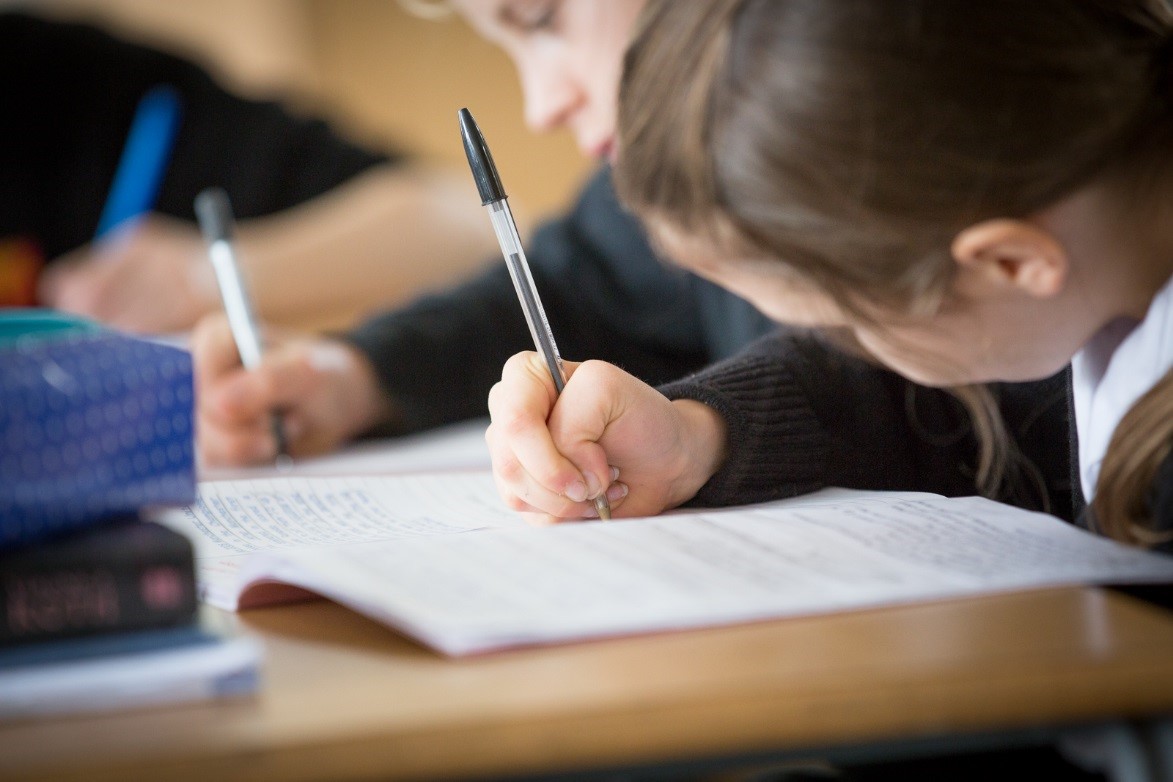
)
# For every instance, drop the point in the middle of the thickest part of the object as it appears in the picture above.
(98, 608)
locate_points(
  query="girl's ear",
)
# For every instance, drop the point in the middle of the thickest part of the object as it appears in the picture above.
(1013, 253)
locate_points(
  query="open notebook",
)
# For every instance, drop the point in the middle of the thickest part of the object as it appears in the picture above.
(439, 557)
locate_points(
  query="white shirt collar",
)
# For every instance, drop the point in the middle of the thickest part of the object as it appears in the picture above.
(1114, 369)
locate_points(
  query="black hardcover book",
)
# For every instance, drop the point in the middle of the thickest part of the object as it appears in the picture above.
(127, 575)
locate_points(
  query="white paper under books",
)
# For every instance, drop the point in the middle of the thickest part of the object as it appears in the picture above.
(133, 670)
(439, 557)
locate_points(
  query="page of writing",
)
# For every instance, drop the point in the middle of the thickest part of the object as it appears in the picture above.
(232, 520)
(500, 588)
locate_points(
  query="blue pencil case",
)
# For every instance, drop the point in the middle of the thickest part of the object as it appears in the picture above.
(94, 424)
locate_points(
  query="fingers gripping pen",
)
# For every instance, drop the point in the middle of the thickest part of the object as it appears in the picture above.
(214, 213)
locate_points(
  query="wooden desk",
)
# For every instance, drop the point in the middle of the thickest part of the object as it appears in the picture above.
(343, 698)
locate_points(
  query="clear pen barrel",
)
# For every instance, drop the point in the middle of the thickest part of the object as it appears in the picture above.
(523, 281)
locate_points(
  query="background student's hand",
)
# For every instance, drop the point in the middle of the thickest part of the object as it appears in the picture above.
(551, 454)
(326, 391)
(153, 276)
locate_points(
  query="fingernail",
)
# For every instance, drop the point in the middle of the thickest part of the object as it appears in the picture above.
(614, 473)
(617, 492)
(576, 492)
(292, 427)
(593, 486)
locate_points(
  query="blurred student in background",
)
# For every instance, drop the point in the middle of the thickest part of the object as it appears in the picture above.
(608, 296)
(327, 228)
(433, 362)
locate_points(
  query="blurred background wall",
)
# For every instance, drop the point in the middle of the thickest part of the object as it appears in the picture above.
(381, 75)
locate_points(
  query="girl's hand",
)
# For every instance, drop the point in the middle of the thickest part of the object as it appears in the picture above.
(608, 431)
(325, 392)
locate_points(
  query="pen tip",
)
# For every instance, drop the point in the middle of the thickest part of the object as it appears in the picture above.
(480, 160)
(468, 125)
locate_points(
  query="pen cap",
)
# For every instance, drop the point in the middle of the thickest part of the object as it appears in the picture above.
(214, 211)
(483, 170)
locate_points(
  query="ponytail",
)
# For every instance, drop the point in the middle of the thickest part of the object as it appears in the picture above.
(1125, 492)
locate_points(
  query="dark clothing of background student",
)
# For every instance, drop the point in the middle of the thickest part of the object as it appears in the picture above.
(67, 98)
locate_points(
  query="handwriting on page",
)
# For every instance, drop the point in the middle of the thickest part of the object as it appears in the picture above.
(239, 517)
(654, 569)
(489, 589)
(969, 545)
(385, 547)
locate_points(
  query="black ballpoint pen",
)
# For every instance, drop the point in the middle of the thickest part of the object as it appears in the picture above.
(493, 198)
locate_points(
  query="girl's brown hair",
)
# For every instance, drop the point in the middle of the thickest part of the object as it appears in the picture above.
(851, 140)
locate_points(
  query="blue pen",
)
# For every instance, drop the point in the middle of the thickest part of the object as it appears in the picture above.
(144, 158)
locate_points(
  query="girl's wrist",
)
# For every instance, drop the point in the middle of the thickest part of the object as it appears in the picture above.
(704, 447)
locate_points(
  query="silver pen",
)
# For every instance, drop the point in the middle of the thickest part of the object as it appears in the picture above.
(214, 212)
(493, 198)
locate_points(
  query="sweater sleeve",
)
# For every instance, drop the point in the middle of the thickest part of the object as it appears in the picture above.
(801, 415)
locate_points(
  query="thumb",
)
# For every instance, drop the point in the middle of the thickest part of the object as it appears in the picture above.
(584, 410)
